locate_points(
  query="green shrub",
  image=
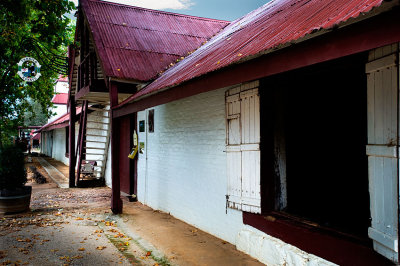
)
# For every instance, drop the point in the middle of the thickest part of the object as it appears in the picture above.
(12, 167)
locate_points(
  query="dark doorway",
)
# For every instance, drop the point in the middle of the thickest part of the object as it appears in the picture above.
(127, 167)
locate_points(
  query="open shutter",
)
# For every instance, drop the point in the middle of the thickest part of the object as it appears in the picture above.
(243, 148)
(382, 151)
(234, 155)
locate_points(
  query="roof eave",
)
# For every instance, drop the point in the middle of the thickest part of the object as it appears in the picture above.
(384, 7)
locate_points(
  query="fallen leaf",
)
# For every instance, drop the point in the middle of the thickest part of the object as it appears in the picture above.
(81, 249)
(3, 254)
(148, 253)
(101, 247)
(79, 218)
(23, 240)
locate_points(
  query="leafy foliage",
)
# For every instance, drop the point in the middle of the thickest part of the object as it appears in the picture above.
(36, 117)
(45, 22)
(12, 170)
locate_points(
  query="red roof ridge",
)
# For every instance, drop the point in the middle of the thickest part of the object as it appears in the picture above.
(174, 33)
(160, 11)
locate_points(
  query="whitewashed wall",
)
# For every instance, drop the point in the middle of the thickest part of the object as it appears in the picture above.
(59, 110)
(107, 173)
(186, 171)
(61, 87)
(59, 145)
(58, 149)
(185, 175)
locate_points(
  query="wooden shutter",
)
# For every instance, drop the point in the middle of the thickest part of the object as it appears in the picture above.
(243, 148)
(233, 152)
(382, 151)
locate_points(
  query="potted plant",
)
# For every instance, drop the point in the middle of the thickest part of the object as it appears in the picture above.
(14, 195)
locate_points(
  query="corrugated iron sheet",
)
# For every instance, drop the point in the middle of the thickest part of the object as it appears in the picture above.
(60, 98)
(139, 43)
(59, 122)
(276, 23)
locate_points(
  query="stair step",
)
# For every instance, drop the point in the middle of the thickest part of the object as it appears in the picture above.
(95, 141)
(97, 128)
(93, 154)
(95, 148)
(98, 122)
(98, 109)
(104, 116)
(95, 135)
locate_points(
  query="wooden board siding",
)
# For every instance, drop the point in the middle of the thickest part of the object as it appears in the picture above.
(382, 149)
(243, 147)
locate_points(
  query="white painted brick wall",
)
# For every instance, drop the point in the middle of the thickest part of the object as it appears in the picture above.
(107, 174)
(185, 175)
(273, 251)
(59, 145)
(58, 150)
(186, 171)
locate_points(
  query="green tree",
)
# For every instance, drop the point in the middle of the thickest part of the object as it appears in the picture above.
(20, 22)
(36, 117)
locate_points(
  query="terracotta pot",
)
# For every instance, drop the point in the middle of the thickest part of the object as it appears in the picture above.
(15, 200)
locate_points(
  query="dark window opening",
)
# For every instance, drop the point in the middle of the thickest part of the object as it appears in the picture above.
(314, 133)
(151, 120)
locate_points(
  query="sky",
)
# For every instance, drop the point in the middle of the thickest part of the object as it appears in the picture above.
(218, 9)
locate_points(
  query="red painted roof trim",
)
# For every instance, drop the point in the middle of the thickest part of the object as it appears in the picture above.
(60, 98)
(60, 122)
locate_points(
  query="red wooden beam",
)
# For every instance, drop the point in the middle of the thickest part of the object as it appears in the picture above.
(356, 38)
(82, 132)
(116, 202)
(72, 157)
(333, 248)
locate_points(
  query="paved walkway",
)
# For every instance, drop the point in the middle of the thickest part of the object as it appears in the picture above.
(56, 175)
(75, 227)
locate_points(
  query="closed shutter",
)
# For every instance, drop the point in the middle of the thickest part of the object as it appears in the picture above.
(243, 148)
(382, 151)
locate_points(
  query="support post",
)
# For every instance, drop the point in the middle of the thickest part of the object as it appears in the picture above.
(82, 132)
(116, 202)
(72, 157)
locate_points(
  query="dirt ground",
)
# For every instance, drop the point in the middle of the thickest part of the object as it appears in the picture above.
(76, 227)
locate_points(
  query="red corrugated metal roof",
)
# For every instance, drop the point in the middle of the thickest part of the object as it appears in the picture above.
(138, 43)
(276, 23)
(59, 122)
(62, 78)
(36, 136)
(60, 98)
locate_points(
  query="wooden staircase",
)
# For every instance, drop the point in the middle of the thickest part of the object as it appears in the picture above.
(93, 144)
